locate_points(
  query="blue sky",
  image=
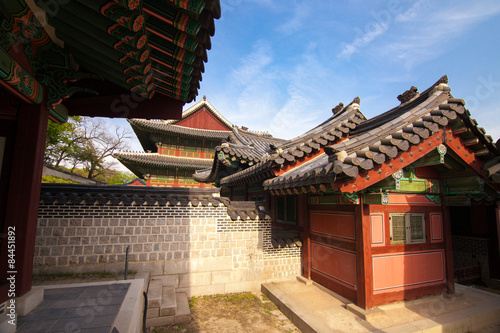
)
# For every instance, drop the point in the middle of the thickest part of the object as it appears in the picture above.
(281, 66)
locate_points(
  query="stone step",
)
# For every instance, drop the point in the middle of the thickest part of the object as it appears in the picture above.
(168, 301)
(183, 312)
(154, 294)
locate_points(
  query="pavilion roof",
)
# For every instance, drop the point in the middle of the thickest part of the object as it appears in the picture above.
(384, 144)
(352, 153)
(267, 153)
(137, 162)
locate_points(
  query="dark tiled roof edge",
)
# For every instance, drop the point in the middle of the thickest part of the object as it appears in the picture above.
(117, 195)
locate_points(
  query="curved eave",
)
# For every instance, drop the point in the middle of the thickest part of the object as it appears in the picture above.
(146, 47)
(157, 160)
(393, 140)
(161, 127)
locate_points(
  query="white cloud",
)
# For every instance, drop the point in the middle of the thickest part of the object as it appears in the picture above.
(420, 32)
(411, 13)
(372, 31)
(301, 11)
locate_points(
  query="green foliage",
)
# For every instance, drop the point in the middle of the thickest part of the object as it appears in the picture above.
(85, 146)
(53, 179)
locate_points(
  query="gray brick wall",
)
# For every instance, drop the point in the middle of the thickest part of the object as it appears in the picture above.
(176, 242)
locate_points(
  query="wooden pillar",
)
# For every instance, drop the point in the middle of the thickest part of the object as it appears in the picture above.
(450, 272)
(23, 195)
(304, 223)
(497, 214)
(364, 256)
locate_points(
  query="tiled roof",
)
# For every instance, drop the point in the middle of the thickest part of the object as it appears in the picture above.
(116, 195)
(249, 146)
(157, 160)
(166, 127)
(343, 121)
(381, 139)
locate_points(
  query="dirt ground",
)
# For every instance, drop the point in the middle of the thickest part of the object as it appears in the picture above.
(242, 312)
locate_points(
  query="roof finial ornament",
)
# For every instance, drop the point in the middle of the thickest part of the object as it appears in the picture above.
(408, 95)
(356, 100)
(443, 79)
(338, 108)
(204, 97)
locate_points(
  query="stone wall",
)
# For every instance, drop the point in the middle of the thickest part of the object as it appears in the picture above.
(192, 239)
(471, 251)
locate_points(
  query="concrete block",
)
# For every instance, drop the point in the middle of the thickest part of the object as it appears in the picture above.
(368, 315)
(215, 289)
(222, 277)
(211, 264)
(153, 313)
(168, 280)
(168, 302)
(154, 294)
(195, 279)
(154, 268)
(239, 287)
(160, 321)
(29, 301)
(129, 318)
(144, 276)
(307, 282)
(176, 267)
(183, 313)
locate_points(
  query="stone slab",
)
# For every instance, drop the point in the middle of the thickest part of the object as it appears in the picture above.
(160, 321)
(152, 313)
(168, 302)
(183, 312)
(154, 293)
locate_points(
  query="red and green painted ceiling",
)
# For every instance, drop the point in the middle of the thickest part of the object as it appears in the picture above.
(104, 47)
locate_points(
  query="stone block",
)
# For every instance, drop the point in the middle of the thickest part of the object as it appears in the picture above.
(238, 287)
(154, 294)
(214, 289)
(68, 250)
(154, 268)
(152, 313)
(171, 280)
(70, 232)
(168, 302)
(62, 261)
(195, 279)
(160, 321)
(182, 313)
(29, 301)
(50, 261)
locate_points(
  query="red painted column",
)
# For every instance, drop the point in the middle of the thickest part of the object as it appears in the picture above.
(364, 256)
(23, 196)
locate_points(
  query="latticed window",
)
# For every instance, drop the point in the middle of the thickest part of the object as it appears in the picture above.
(407, 228)
(286, 209)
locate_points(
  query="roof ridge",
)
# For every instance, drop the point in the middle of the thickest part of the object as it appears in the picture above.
(210, 107)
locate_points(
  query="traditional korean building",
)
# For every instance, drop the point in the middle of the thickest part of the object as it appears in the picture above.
(121, 59)
(176, 149)
(377, 202)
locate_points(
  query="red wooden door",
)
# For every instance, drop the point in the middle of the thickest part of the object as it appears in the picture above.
(333, 251)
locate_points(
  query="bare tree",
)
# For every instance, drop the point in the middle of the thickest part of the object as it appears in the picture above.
(98, 147)
(85, 143)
